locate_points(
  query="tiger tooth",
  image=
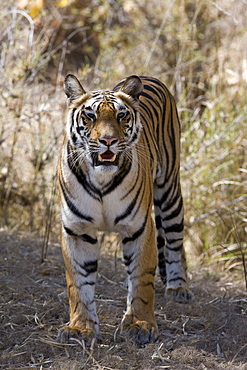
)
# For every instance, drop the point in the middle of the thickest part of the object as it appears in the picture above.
(107, 160)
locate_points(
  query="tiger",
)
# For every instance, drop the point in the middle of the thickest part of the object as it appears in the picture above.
(120, 160)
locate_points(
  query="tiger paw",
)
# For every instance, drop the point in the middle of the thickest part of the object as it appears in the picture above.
(141, 331)
(181, 294)
(70, 334)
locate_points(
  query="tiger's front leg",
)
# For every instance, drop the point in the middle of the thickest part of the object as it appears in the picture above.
(80, 253)
(140, 256)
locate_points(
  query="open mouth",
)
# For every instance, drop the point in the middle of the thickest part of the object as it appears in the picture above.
(106, 159)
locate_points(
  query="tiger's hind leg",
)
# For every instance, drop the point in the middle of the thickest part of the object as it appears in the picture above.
(171, 254)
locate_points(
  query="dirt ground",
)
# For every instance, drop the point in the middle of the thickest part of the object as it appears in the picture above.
(209, 333)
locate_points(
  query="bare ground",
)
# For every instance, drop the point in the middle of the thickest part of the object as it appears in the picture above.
(209, 333)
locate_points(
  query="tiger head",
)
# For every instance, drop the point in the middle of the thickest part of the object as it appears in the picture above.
(103, 125)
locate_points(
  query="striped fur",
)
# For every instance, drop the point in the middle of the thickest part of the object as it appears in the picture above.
(119, 158)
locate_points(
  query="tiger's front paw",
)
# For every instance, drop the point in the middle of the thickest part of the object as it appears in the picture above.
(141, 331)
(70, 334)
(181, 294)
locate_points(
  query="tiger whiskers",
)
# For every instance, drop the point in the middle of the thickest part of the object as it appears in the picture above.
(135, 160)
(77, 157)
(143, 154)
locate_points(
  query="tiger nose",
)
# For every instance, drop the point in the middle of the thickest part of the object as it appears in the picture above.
(108, 141)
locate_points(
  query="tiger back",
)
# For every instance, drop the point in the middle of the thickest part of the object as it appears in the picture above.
(121, 157)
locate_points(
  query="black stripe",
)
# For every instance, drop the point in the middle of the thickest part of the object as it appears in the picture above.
(91, 283)
(175, 228)
(152, 112)
(137, 233)
(71, 206)
(140, 299)
(171, 262)
(158, 221)
(81, 177)
(160, 242)
(86, 307)
(170, 190)
(128, 260)
(129, 208)
(140, 202)
(162, 266)
(147, 284)
(72, 115)
(118, 178)
(134, 137)
(132, 188)
(177, 278)
(155, 98)
(175, 249)
(68, 231)
(152, 80)
(129, 272)
(176, 211)
(85, 237)
(89, 267)
(148, 132)
(172, 137)
(147, 110)
(151, 271)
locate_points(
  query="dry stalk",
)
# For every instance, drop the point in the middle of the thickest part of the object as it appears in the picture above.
(241, 248)
(49, 214)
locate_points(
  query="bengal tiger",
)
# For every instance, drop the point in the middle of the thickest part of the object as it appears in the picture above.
(121, 157)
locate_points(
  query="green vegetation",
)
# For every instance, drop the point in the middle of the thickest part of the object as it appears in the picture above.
(198, 48)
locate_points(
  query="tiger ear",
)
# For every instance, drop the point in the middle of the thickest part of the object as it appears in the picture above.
(73, 88)
(132, 86)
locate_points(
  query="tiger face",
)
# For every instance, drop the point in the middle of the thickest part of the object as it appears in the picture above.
(103, 125)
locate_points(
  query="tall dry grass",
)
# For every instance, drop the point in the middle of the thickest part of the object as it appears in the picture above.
(198, 48)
